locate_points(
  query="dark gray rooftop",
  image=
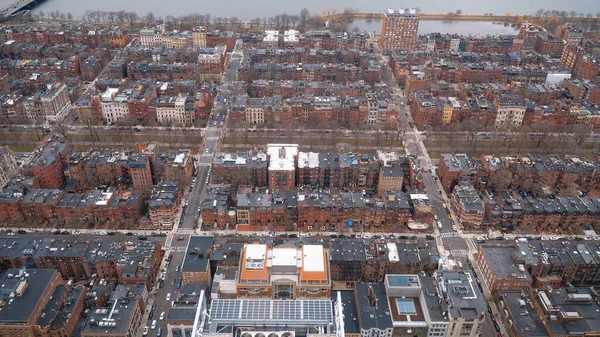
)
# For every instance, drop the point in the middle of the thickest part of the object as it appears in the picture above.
(461, 290)
(371, 315)
(350, 314)
(526, 320)
(195, 256)
(502, 264)
(18, 309)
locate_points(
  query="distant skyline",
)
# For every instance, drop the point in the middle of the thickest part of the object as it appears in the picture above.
(261, 8)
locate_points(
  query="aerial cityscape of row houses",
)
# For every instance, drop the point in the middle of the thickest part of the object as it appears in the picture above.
(175, 178)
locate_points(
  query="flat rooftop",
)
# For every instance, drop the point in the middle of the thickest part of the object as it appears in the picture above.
(31, 285)
(195, 256)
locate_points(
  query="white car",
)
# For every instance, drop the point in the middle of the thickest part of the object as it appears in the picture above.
(153, 325)
(168, 296)
(162, 316)
(145, 332)
(454, 228)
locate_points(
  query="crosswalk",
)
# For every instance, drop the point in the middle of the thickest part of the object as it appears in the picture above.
(459, 252)
(449, 234)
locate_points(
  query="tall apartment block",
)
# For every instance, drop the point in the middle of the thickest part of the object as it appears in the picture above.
(399, 29)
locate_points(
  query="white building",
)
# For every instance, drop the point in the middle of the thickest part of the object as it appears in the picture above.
(510, 112)
(454, 45)
(175, 109)
(114, 107)
(291, 38)
(271, 38)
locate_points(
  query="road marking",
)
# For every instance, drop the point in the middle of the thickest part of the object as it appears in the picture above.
(459, 252)
(450, 234)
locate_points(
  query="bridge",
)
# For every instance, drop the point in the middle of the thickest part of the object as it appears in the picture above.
(18, 6)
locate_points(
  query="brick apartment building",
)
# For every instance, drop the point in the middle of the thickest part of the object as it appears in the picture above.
(548, 44)
(282, 164)
(34, 298)
(399, 29)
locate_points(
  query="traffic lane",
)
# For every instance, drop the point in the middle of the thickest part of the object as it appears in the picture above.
(438, 203)
(488, 329)
(190, 219)
(193, 203)
(32, 234)
(160, 298)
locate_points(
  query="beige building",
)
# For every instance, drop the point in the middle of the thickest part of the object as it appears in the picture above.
(152, 36)
(255, 111)
(8, 165)
(510, 112)
(49, 105)
(199, 37)
(175, 110)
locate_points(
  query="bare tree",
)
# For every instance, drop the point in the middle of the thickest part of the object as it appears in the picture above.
(542, 129)
(234, 21)
(580, 133)
(70, 16)
(132, 17)
(294, 20)
(502, 180)
(304, 17)
(149, 18)
(122, 16)
(62, 127)
(571, 190)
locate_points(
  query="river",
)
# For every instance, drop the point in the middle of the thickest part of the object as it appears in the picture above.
(449, 27)
(246, 10)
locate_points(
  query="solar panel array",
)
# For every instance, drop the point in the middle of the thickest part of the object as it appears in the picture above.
(260, 311)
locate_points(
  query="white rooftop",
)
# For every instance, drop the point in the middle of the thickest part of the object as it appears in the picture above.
(313, 258)
(256, 252)
(281, 156)
(179, 158)
(308, 159)
(284, 257)
(393, 252)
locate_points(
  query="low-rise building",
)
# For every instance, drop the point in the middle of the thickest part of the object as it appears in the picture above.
(498, 268)
(465, 305)
(468, 206)
(175, 110)
(25, 295)
(510, 112)
(8, 165)
(121, 317)
(214, 210)
(196, 266)
(239, 169)
(284, 272)
(164, 205)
